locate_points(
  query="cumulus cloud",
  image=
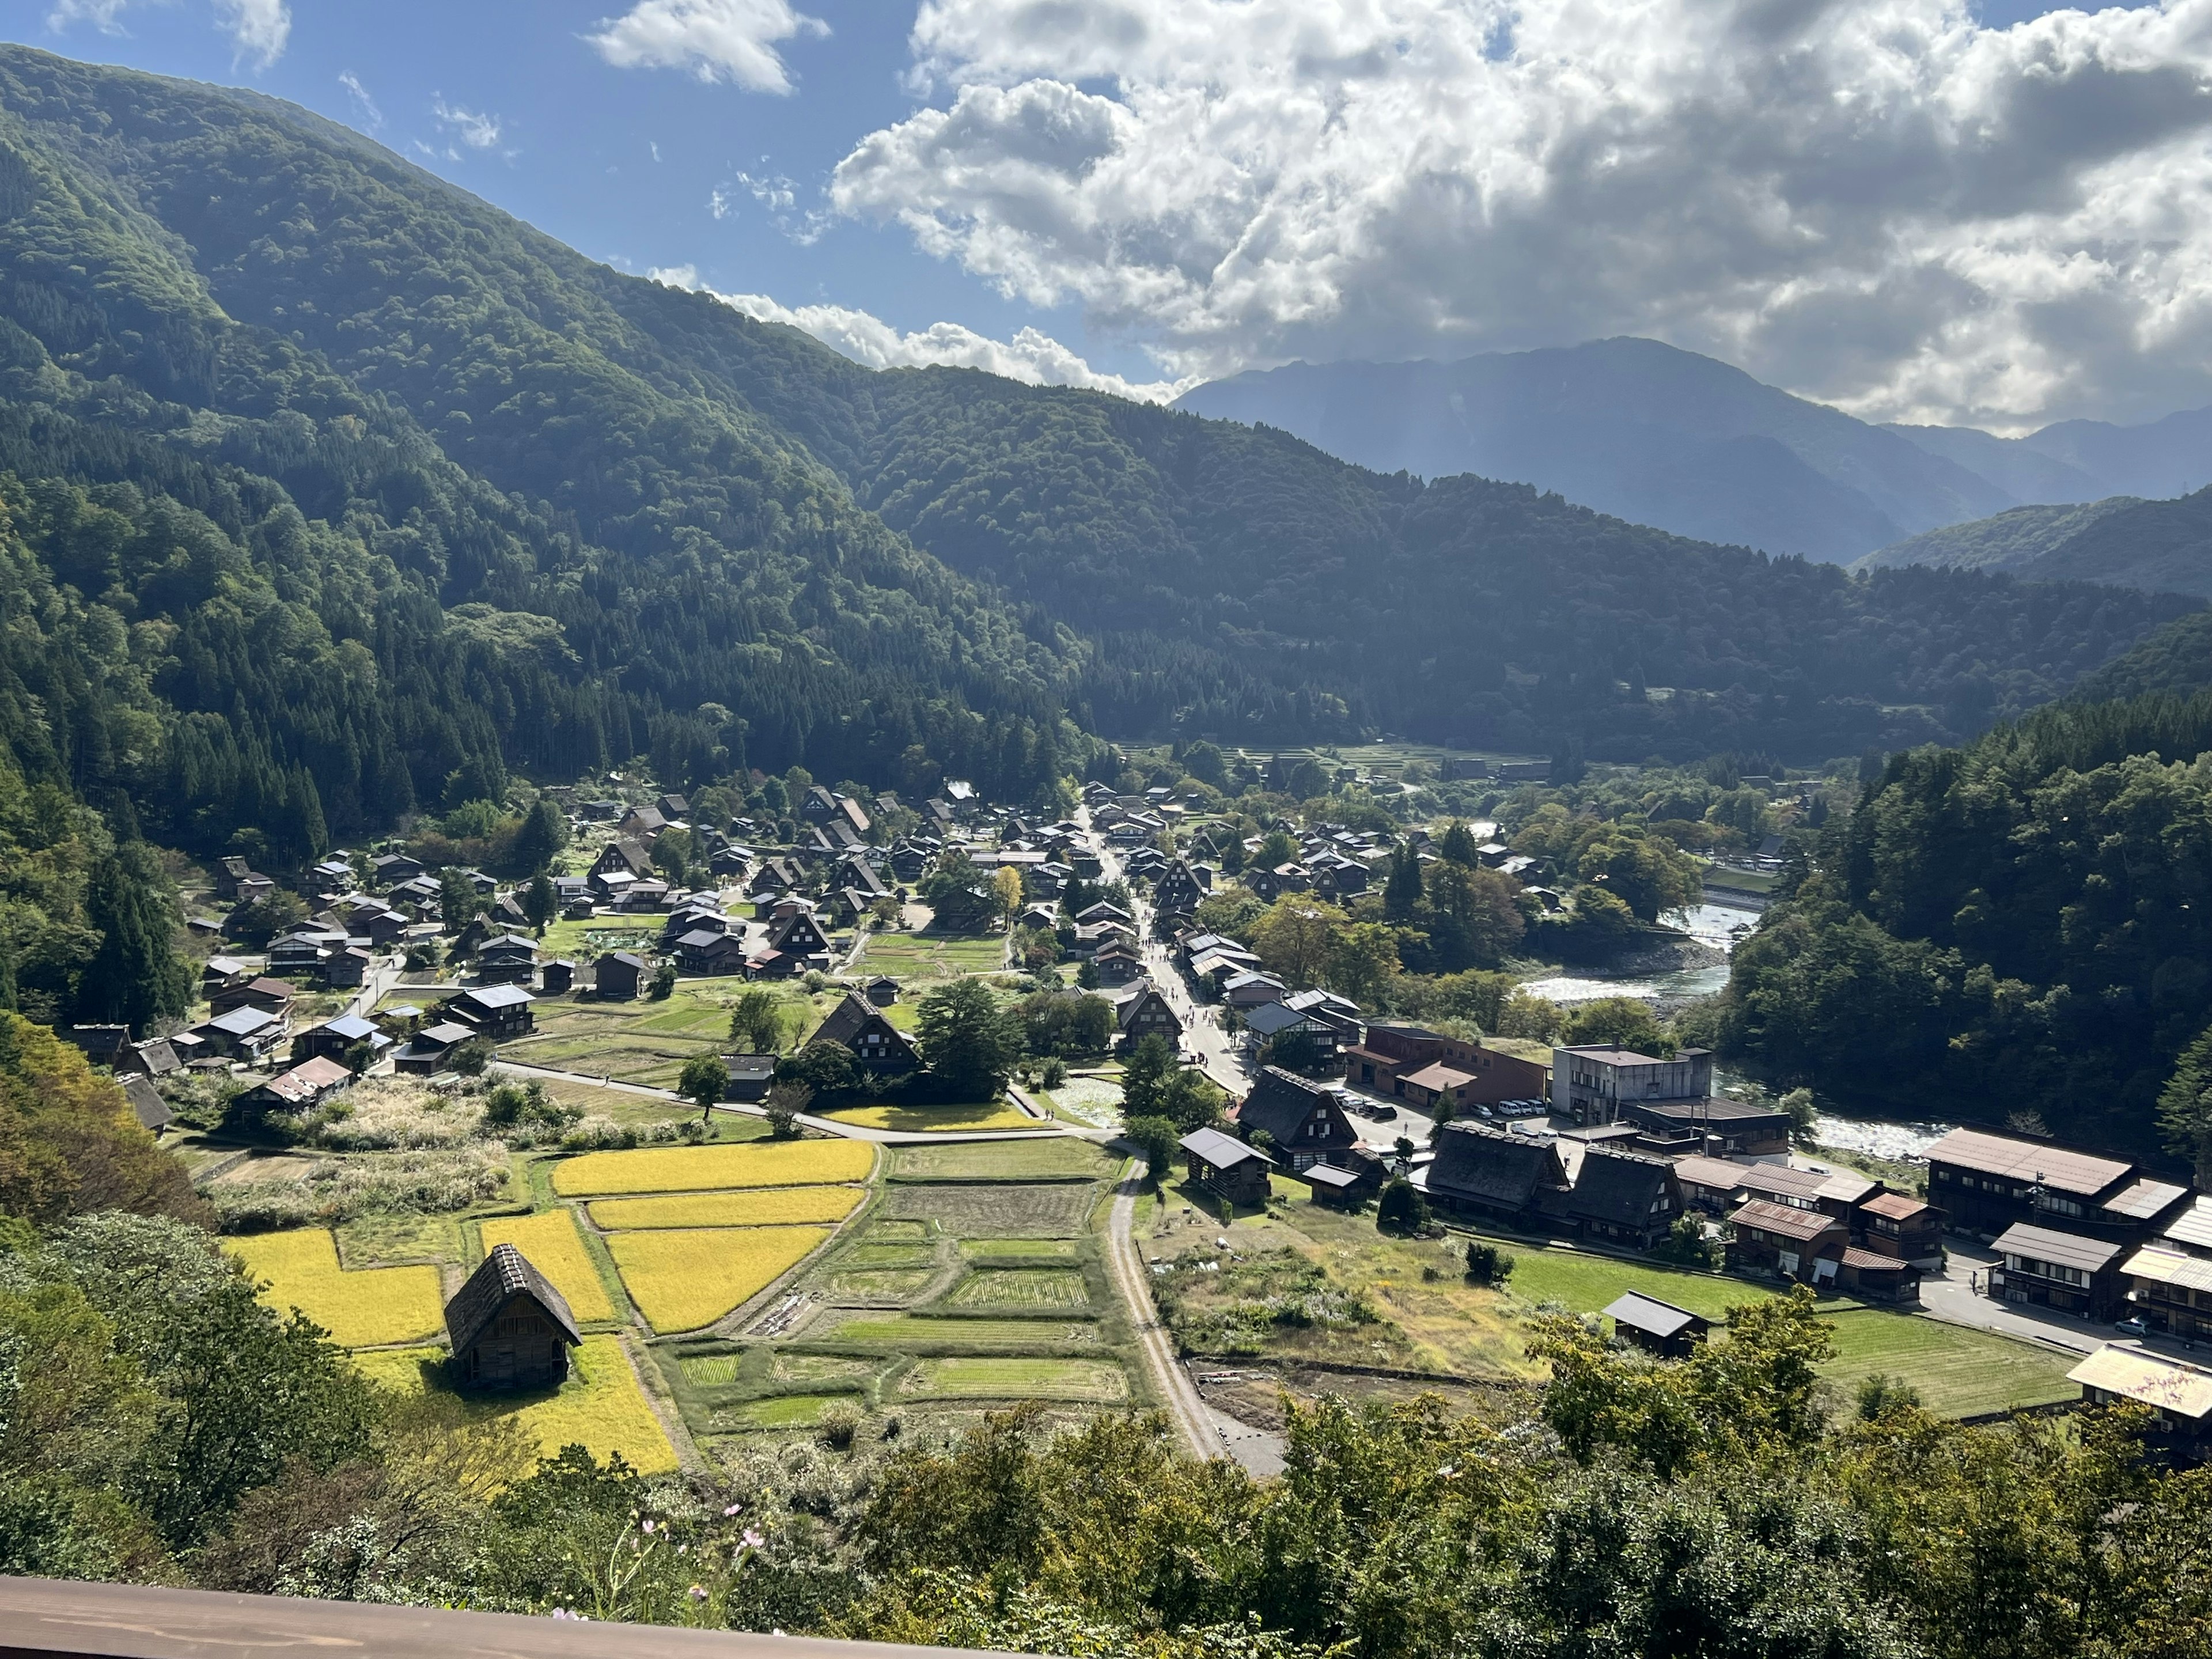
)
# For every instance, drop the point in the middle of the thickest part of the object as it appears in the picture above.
(258, 28)
(731, 40)
(1031, 356)
(1877, 202)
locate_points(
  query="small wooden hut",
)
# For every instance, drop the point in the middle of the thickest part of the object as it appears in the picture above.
(509, 1327)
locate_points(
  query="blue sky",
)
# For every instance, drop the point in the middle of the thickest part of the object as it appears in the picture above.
(1919, 212)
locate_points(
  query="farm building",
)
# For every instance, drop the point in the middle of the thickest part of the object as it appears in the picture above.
(1226, 1167)
(509, 1327)
(1657, 1327)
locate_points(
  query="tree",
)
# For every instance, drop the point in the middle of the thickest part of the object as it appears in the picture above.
(967, 1039)
(662, 985)
(1362, 960)
(136, 976)
(756, 1022)
(1154, 1138)
(541, 838)
(1401, 1209)
(539, 902)
(671, 855)
(1619, 1022)
(68, 1141)
(1006, 890)
(1189, 1100)
(1145, 1072)
(704, 1081)
(471, 1057)
(2184, 1106)
(1457, 846)
(822, 1067)
(1401, 889)
(1487, 1263)
(1297, 937)
(457, 898)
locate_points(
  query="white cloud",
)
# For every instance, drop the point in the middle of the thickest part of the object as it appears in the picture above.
(258, 28)
(1032, 357)
(717, 40)
(476, 131)
(1877, 202)
(361, 101)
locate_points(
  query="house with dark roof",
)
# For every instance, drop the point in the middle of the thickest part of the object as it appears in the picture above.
(749, 1078)
(1305, 1117)
(1657, 1328)
(334, 1037)
(507, 959)
(1227, 1167)
(877, 1043)
(1623, 1198)
(615, 977)
(1779, 1240)
(508, 1326)
(703, 953)
(1900, 1225)
(1139, 1011)
(147, 1105)
(426, 1053)
(271, 996)
(2068, 1272)
(883, 990)
(493, 1011)
(1495, 1174)
(246, 1034)
(798, 935)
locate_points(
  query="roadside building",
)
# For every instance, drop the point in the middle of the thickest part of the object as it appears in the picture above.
(1495, 1174)
(1898, 1225)
(1227, 1167)
(1304, 1117)
(860, 1026)
(1781, 1240)
(2178, 1392)
(1986, 1183)
(1591, 1083)
(2066, 1272)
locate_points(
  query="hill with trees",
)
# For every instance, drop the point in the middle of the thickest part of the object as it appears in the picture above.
(2163, 546)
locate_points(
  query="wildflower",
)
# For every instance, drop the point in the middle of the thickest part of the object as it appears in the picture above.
(698, 1592)
(732, 1510)
(645, 1527)
(752, 1538)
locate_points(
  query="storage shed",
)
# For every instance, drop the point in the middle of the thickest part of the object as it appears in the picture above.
(509, 1327)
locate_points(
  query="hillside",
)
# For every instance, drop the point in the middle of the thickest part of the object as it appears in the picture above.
(1628, 426)
(2161, 545)
(353, 493)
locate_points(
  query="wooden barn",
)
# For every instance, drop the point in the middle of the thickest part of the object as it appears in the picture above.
(509, 1327)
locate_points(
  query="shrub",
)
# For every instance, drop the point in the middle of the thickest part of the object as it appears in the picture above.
(1487, 1264)
(841, 1422)
(469, 1058)
(1402, 1209)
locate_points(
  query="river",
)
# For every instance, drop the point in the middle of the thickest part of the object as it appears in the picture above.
(1715, 924)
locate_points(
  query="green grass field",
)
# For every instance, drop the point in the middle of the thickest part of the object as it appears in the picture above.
(1959, 1372)
(1003, 1160)
(1088, 1380)
(789, 1410)
(1048, 1210)
(1585, 1284)
(997, 1250)
(921, 1331)
(931, 955)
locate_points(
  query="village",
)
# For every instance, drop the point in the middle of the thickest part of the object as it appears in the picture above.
(1307, 1136)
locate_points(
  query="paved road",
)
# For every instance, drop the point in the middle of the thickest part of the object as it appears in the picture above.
(1192, 1419)
(1959, 1295)
(1215, 1048)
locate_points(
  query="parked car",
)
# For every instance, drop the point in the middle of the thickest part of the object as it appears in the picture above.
(2132, 1327)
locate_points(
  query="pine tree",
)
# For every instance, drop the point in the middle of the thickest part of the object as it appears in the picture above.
(1401, 890)
(136, 976)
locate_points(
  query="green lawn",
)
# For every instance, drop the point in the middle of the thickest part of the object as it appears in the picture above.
(918, 1331)
(1585, 1284)
(1959, 1372)
(1088, 1380)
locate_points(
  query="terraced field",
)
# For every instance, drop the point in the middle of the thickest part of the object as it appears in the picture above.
(1094, 1381)
(1021, 1287)
(366, 1309)
(1014, 1210)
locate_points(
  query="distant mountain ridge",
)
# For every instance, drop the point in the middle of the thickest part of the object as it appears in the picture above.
(1686, 443)
(2124, 541)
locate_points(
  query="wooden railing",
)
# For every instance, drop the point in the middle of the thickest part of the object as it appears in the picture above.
(49, 1619)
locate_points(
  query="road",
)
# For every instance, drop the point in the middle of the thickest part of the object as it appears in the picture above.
(1215, 1048)
(1191, 1418)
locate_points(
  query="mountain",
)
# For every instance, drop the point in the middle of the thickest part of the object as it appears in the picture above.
(2162, 546)
(338, 495)
(2012, 464)
(1631, 427)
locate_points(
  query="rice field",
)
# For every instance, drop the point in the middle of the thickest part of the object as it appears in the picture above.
(1008, 1210)
(1095, 1380)
(914, 1330)
(600, 1406)
(938, 1119)
(554, 1247)
(706, 1168)
(1002, 1160)
(769, 1207)
(1021, 1287)
(787, 1411)
(367, 1309)
(682, 1279)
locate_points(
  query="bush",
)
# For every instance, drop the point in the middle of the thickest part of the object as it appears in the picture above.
(663, 985)
(1685, 1243)
(1486, 1263)
(1055, 1072)
(1402, 1209)
(469, 1058)
(841, 1422)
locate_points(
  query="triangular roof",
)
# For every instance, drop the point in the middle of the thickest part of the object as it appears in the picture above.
(504, 1272)
(1495, 1165)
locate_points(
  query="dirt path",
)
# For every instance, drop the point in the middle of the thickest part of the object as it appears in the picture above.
(1170, 1381)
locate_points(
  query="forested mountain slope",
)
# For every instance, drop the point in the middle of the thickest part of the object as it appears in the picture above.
(2123, 540)
(376, 492)
(2020, 925)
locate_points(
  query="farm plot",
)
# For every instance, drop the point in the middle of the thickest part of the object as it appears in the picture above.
(939, 1120)
(920, 1332)
(1094, 1101)
(682, 1279)
(1093, 1381)
(1959, 1372)
(784, 1411)
(932, 956)
(1003, 1160)
(600, 1407)
(887, 1285)
(1005, 1209)
(1021, 1287)
(770, 1207)
(374, 1306)
(556, 1249)
(706, 1169)
(999, 1252)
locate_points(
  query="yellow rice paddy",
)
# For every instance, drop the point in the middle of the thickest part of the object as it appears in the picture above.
(682, 1279)
(941, 1119)
(556, 1249)
(706, 1169)
(359, 1310)
(770, 1206)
